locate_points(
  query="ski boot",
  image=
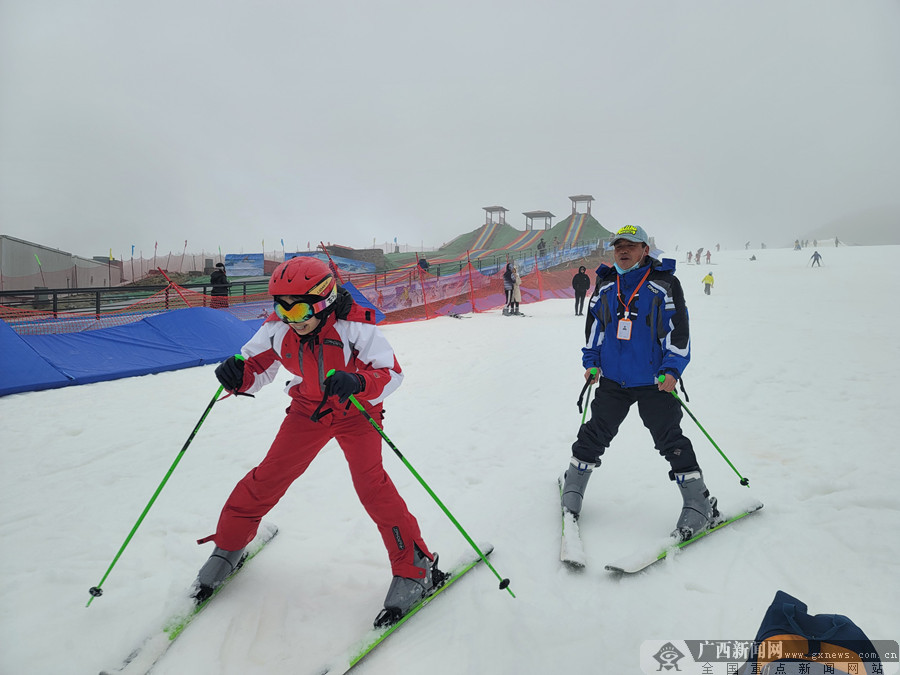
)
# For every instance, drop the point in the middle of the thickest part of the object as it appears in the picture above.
(403, 592)
(220, 565)
(699, 511)
(574, 482)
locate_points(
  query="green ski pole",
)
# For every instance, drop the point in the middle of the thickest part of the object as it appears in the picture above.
(504, 583)
(744, 481)
(97, 591)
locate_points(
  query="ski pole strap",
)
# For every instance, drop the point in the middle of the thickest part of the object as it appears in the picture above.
(683, 391)
(318, 413)
(586, 386)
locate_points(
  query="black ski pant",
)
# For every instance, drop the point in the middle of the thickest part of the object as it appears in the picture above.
(579, 301)
(660, 413)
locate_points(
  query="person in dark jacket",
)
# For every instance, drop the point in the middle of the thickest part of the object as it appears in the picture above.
(581, 282)
(638, 342)
(220, 287)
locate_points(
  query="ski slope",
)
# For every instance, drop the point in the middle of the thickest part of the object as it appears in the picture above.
(793, 375)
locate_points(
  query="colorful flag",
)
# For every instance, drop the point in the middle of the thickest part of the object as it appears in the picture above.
(38, 259)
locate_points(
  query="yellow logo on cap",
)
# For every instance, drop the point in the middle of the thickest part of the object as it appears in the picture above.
(627, 229)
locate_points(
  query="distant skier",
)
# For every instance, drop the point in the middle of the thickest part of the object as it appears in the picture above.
(816, 257)
(581, 282)
(708, 282)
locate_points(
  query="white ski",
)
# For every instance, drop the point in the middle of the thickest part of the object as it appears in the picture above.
(641, 560)
(571, 551)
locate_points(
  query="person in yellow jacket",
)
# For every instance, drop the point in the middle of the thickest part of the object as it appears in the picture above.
(708, 282)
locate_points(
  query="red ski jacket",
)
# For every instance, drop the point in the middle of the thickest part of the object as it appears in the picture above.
(353, 344)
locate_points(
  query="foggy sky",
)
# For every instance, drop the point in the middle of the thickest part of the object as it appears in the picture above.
(231, 122)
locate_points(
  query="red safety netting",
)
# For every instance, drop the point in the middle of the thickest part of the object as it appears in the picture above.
(402, 295)
(412, 295)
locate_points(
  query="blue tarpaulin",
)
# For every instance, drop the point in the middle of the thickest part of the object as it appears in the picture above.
(177, 339)
(22, 368)
(181, 338)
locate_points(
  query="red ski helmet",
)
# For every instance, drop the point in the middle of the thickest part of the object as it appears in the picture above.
(307, 277)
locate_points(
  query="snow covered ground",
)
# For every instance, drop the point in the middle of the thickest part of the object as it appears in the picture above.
(791, 375)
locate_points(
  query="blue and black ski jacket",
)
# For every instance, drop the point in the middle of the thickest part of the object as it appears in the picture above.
(660, 336)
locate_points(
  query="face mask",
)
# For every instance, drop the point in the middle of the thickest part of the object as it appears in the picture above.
(621, 271)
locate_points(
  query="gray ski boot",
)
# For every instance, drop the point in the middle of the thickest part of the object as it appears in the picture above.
(403, 593)
(699, 510)
(215, 570)
(575, 480)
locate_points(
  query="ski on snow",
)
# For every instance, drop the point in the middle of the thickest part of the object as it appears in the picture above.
(377, 636)
(571, 552)
(640, 561)
(151, 650)
(572, 555)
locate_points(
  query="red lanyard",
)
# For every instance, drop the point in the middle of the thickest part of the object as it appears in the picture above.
(636, 288)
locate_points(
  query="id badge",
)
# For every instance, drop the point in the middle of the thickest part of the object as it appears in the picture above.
(624, 330)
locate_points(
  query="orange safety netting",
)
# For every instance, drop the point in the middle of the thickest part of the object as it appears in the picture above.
(402, 295)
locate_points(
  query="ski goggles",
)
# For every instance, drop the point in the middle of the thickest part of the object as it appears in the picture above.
(303, 309)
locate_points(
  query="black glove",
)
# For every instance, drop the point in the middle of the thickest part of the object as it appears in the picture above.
(342, 384)
(343, 303)
(230, 373)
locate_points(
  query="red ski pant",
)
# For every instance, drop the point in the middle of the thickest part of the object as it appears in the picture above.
(298, 442)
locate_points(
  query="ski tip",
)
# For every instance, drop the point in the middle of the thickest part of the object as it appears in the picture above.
(574, 565)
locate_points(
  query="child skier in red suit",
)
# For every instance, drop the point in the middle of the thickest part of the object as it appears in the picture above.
(316, 328)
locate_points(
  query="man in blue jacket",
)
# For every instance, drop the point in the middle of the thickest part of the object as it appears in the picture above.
(637, 332)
